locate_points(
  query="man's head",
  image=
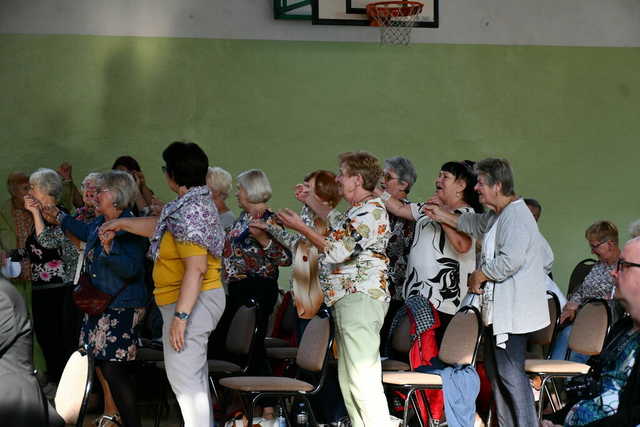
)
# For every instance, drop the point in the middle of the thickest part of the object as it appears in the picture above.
(627, 275)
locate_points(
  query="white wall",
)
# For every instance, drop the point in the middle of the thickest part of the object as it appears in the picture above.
(527, 22)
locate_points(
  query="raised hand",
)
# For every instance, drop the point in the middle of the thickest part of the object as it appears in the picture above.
(65, 170)
(290, 219)
(32, 205)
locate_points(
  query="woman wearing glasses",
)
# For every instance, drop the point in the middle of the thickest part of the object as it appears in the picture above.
(511, 277)
(602, 237)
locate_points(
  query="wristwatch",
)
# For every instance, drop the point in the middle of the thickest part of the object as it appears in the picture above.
(181, 315)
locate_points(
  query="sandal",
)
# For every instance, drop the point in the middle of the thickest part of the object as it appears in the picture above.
(109, 421)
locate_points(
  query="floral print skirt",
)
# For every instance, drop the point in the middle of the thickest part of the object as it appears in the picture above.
(111, 335)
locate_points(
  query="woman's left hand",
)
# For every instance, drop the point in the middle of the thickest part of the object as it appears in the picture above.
(176, 334)
(475, 282)
(290, 219)
(106, 239)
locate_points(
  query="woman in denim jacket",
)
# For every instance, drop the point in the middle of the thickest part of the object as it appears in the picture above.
(114, 265)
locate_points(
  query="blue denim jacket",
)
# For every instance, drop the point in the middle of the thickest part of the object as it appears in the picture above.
(124, 264)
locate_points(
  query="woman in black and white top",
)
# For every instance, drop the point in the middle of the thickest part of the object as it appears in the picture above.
(441, 257)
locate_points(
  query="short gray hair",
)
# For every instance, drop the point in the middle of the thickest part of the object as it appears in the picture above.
(497, 171)
(92, 177)
(404, 169)
(634, 228)
(219, 180)
(256, 184)
(48, 181)
(124, 187)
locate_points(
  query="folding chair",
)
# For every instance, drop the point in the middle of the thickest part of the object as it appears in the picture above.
(459, 347)
(590, 328)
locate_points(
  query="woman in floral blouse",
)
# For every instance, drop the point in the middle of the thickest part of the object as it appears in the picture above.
(354, 282)
(53, 260)
(252, 257)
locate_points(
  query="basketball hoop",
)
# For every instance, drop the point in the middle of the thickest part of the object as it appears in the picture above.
(395, 19)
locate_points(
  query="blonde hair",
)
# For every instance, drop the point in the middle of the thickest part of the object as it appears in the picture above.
(256, 184)
(219, 180)
(602, 231)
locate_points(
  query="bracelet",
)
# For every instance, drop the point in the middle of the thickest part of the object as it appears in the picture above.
(268, 245)
(385, 196)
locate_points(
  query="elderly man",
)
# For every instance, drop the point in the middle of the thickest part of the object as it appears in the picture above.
(618, 403)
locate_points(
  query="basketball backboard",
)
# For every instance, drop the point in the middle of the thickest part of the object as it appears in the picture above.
(353, 12)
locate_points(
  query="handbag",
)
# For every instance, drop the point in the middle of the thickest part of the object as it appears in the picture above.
(86, 296)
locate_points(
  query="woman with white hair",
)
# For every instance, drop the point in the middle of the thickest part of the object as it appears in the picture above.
(116, 267)
(219, 183)
(251, 256)
(53, 260)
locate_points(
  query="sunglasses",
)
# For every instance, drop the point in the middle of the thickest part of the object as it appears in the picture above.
(622, 264)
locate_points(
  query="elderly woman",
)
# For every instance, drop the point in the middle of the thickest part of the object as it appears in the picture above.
(602, 237)
(441, 258)
(251, 256)
(399, 176)
(186, 245)
(219, 182)
(53, 261)
(354, 281)
(116, 267)
(512, 274)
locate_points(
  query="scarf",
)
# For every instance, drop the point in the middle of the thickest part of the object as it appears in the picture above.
(191, 218)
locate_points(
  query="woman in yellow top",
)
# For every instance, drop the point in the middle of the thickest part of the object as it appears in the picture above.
(186, 244)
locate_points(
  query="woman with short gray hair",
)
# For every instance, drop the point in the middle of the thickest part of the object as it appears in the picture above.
(219, 183)
(511, 277)
(251, 257)
(53, 261)
(116, 267)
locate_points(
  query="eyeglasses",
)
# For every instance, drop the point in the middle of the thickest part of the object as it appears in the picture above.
(164, 169)
(597, 245)
(622, 264)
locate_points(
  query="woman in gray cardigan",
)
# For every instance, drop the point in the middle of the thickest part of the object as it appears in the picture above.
(511, 277)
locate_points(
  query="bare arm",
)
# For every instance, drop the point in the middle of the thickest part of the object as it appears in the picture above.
(443, 216)
(195, 270)
(460, 241)
(33, 206)
(144, 226)
(398, 208)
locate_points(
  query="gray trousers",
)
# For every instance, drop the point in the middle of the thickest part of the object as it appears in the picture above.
(512, 393)
(187, 370)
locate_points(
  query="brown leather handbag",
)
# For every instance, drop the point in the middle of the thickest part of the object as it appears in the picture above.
(87, 297)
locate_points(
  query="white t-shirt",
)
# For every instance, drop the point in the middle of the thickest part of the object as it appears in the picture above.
(434, 268)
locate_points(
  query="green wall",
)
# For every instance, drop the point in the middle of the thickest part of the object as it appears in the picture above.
(566, 117)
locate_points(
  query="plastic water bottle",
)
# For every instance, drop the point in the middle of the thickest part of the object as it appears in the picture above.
(302, 418)
(281, 421)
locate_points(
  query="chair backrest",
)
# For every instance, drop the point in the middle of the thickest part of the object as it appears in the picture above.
(314, 345)
(74, 387)
(401, 340)
(578, 274)
(546, 335)
(243, 329)
(461, 338)
(590, 327)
